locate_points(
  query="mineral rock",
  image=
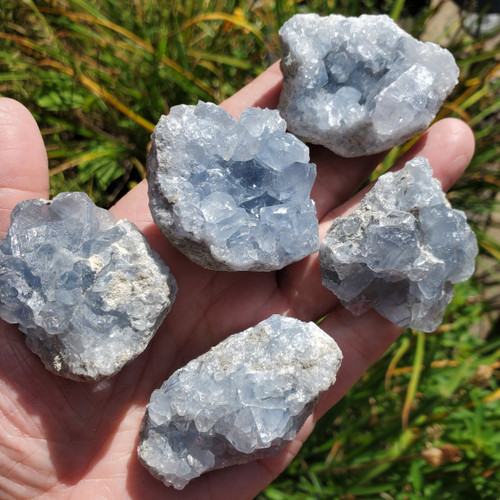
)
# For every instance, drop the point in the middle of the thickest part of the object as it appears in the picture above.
(243, 400)
(401, 251)
(360, 85)
(232, 195)
(87, 291)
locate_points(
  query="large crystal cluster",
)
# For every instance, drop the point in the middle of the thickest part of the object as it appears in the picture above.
(232, 195)
(360, 85)
(242, 400)
(87, 291)
(401, 251)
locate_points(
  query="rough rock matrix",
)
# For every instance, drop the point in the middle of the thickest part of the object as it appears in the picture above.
(360, 85)
(87, 291)
(242, 400)
(232, 195)
(401, 251)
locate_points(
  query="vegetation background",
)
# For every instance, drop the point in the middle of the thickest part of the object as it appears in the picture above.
(424, 422)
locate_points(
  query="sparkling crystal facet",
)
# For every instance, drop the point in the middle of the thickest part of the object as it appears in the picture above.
(88, 291)
(401, 251)
(360, 85)
(232, 195)
(242, 400)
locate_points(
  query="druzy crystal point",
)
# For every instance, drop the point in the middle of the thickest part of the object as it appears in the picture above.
(360, 85)
(87, 290)
(232, 195)
(244, 399)
(401, 251)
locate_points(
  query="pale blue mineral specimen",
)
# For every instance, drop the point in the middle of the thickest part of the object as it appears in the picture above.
(401, 251)
(244, 399)
(87, 290)
(360, 85)
(232, 194)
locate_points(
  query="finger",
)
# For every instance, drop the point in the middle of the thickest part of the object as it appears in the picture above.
(363, 340)
(23, 160)
(449, 146)
(338, 178)
(263, 92)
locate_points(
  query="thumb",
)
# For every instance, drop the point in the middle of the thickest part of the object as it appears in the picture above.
(23, 160)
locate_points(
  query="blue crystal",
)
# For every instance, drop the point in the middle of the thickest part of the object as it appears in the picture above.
(87, 291)
(360, 85)
(232, 195)
(401, 251)
(244, 399)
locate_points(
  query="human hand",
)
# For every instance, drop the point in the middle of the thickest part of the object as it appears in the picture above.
(62, 439)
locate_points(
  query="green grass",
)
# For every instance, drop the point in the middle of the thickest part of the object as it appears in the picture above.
(424, 421)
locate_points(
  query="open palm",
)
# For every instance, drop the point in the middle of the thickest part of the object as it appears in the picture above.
(64, 439)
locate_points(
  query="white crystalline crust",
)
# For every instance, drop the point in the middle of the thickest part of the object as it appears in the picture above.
(88, 292)
(242, 400)
(232, 195)
(360, 85)
(401, 251)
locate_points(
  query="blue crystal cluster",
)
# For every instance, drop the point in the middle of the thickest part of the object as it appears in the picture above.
(401, 251)
(232, 194)
(87, 291)
(242, 400)
(360, 85)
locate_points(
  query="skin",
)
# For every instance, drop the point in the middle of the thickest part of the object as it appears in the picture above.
(64, 439)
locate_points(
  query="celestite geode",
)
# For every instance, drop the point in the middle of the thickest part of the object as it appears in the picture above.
(401, 251)
(360, 85)
(233, 195)
(87, 290)
(244, 399)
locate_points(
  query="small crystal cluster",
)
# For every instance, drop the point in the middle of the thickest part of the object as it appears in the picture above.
(88, 292)
(232, 195)
(360, 85)
(401, 251)
(242, 400)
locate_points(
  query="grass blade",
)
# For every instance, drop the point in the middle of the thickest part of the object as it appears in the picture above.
(415, 379)
(397, 8)
(103, 94)
(405, 344)
(223, 16)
